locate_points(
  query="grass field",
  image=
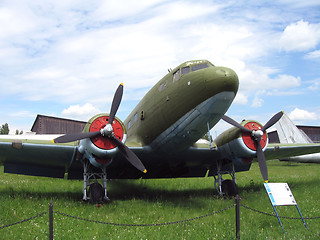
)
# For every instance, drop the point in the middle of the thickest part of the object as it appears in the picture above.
(160, 201)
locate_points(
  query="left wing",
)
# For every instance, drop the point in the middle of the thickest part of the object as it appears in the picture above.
(280, 151)
(37, 159)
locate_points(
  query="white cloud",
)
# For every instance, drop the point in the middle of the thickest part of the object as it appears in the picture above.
(89, 46)
(258, 80)
(285, 81)
(84, 112)
(257, 101)
(315, 85)
(241, 99)
(277, 92)
(300, 4)
(300, 36)
(115, 10)
(313, 55)
(300, 114)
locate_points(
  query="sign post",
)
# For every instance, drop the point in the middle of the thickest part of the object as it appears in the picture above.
(281, 195)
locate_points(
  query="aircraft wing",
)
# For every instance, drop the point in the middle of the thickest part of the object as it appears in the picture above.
(54, 160)
(279, 151)
(36, 159)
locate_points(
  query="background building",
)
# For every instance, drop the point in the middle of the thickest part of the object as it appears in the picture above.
(53, 125)
(312, 132)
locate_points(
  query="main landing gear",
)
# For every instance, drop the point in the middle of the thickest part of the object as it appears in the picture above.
(226, 187)
(92, 189)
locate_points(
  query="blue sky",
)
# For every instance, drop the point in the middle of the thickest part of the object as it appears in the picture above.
(66, 58)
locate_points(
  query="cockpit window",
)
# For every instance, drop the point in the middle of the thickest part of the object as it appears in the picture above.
(198, 67)
(185, 70)
(176, 76)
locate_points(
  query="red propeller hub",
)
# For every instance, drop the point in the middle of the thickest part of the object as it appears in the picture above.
(105, 142)
(248, 139)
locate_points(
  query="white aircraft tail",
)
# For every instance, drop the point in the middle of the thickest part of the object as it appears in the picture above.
(289, 133)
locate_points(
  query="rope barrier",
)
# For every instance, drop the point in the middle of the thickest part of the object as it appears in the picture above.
(25, 220)
(274, 215)
(152, 224)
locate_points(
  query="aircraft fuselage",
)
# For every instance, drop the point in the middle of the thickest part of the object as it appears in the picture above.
(175, 112)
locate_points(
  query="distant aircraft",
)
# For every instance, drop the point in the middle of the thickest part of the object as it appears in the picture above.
(289, 133)
(159, 135)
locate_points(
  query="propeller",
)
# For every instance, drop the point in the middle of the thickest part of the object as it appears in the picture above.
(107, 131)
(256, 136)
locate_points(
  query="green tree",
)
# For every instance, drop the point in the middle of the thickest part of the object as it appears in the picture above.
(4, 129)
(19, 133)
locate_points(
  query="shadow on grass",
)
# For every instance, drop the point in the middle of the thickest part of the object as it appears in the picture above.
(121, 190)
(126, 190)
(131, 189)
(12, 193)
(251, 187)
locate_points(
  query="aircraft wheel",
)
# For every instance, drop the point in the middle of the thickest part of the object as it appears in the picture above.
(96, 192)
(229, 188)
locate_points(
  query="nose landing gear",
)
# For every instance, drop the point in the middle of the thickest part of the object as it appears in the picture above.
(92, 189)
(225, 187)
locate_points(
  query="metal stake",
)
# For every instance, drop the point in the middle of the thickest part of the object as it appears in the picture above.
(237, 198)
(51, 221)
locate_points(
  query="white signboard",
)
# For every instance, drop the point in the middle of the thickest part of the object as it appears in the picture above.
(280, 194)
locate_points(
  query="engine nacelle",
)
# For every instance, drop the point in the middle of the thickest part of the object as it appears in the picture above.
(238, 146)
(100, 150)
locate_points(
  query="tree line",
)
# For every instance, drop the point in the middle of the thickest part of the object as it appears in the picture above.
(4, 129)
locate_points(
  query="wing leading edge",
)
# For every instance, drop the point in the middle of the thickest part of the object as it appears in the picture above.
(280, 151)
(36, 159)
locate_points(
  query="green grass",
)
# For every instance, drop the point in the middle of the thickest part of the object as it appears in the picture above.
(159, 201)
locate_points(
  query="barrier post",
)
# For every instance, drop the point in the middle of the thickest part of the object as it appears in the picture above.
(237, 199)
(51, 221)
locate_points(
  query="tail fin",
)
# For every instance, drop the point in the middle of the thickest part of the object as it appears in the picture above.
(289, 133)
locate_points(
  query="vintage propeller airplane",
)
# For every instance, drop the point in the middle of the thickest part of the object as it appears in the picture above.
(158, 138)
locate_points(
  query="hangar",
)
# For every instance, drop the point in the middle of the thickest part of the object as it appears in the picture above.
(313, 132)
(54, 125)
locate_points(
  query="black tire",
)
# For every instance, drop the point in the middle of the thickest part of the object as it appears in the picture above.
(96, 192)
(229, 188)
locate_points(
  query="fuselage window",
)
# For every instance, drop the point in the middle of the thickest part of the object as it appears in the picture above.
(185, 70)
(135, 117)
(176, 76)
(198, 67)
(129, 124)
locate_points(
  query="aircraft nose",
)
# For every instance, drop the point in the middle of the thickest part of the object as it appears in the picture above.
(222, 79)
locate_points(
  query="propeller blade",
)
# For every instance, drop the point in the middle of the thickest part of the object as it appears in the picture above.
(75, 136)
(272, 121)
(234, 123)
(262, 162)
(130, 156)
(115, 103)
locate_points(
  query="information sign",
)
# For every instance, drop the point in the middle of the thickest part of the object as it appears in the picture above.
(280, 194)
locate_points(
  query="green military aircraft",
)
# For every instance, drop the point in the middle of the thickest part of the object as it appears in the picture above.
(158, 139)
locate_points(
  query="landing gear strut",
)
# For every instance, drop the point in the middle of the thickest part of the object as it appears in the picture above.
(225, 187)
(92, 189)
